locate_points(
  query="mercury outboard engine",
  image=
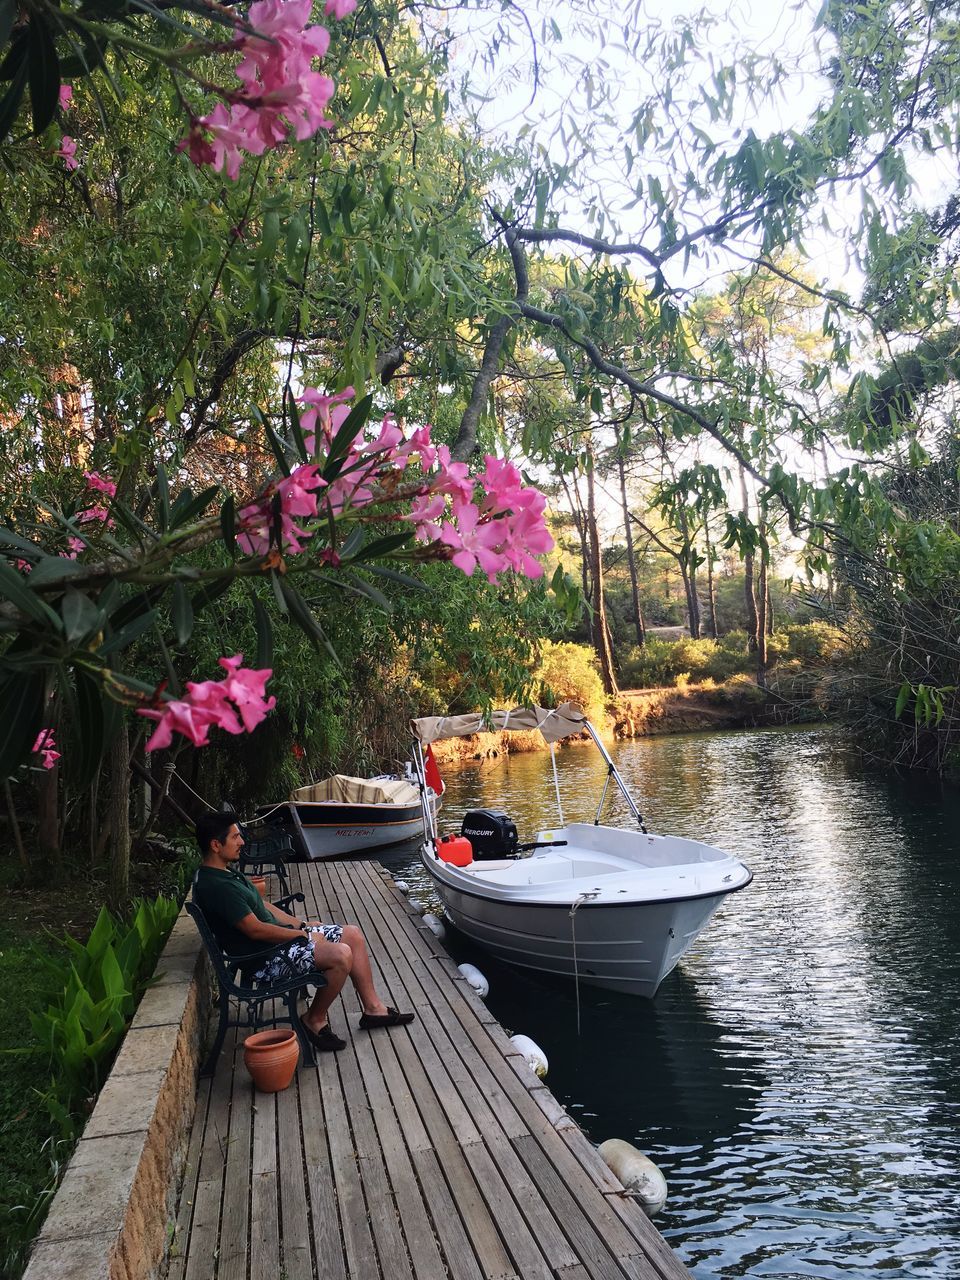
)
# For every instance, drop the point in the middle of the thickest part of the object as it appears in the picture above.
(491, 834)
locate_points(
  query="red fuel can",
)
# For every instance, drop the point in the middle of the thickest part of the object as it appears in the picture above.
(456, 850)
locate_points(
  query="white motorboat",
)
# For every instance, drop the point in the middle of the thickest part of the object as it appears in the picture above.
(612, 907)
(343, 815)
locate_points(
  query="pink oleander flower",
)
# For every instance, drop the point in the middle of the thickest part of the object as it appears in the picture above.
(45, 746)
(339, 8)
(247, 689)
(296, 498)
(101, 484)
(65, 96)
(328, 413)
(236, 704)
(68, 153)
(281, 91)
(75, 545)
(24, 566)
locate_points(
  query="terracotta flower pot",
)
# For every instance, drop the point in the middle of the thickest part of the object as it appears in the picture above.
(260, 884)
(271, 1057)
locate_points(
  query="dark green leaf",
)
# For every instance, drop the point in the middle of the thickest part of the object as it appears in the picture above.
(350, 428)
(212, 591)
(44, 69)
(10, 539)
(88, 730)
(15, 57)
(10, 102)
(187, 507)
(21, 696)
(372, 593)
(264, 634)
(14, 589)
(8, 16)
(404, 579)
(305, 619)
(181, 614)
(228, 523)
(384, 546)
(163, 498)
(125, 635)
(295, 429)
(81, 617)
(55, 569)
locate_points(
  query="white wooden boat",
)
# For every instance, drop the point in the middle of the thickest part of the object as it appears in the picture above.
(609, 906)
(343, 815)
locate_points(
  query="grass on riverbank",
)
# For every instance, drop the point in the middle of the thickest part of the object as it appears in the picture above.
(30, 1148)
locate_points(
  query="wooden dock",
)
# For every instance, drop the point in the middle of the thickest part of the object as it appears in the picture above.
(429, 1152)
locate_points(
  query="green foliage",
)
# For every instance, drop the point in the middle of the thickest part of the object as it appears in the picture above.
(814, 642)
(93, 991)
(569, 673)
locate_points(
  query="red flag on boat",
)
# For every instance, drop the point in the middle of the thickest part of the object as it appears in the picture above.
(432, 773)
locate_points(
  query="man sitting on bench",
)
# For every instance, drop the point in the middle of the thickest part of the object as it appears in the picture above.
(244, 924)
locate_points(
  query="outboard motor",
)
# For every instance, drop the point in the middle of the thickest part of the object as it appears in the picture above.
(491, 834)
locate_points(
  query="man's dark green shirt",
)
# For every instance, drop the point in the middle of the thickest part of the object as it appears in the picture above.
(225, 897)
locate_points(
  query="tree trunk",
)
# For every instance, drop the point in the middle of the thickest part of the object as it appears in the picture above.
(601, 636)
(118, 881)
(15, 829)
(749, 594)
(48, 825)
(762, 624)
(711, 588)
(770, 617)
(631, 558)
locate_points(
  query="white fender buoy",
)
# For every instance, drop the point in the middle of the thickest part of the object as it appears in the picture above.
(402, 886)
(474, 978)
(416, 906)
(435, 925)
(637, 1172)
(534, 1056)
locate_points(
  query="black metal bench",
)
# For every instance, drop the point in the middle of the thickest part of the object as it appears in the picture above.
(266, 852)
(231, 985)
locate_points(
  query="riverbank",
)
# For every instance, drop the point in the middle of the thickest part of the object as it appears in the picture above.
(638, 713)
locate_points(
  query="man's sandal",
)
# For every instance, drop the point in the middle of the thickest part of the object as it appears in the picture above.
(370, 1021)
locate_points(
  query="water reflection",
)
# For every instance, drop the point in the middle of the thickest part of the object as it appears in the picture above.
(798, 1077)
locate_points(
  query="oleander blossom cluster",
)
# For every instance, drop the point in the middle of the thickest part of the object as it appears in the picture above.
(492, 520)
(281, 93)
(237, 704)
(45, 748)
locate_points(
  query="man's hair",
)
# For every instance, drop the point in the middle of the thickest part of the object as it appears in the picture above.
(213, 826)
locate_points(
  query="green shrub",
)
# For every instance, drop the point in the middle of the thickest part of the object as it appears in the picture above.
(778, 646)
(734, 641)
(649, 666)
(568, 673)
(93, 991)
(816, 642)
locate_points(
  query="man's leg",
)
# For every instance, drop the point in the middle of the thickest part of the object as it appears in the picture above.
(360, 972)
(335, 959)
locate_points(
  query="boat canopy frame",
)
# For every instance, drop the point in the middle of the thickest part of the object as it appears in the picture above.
(554, 723)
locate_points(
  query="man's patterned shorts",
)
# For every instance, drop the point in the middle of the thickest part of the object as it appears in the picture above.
(298, 956)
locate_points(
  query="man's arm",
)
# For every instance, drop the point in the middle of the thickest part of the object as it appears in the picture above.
(270, 934)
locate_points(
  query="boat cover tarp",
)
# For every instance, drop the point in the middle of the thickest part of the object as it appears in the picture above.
(554, 724)
(342, 789)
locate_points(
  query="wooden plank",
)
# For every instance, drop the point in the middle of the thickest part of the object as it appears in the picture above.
(177, 1255)
(458, 1252)
(324, 1213)
(205, 1227)
(378, 1192)
(235, 1213)
(294, 1214)
(264, 1210)
(358, 1242)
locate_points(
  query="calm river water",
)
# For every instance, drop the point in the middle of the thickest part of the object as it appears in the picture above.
(798, 1078)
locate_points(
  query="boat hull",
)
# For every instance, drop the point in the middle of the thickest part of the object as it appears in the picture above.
(613, 908)
(335, 830)
(629, 948)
